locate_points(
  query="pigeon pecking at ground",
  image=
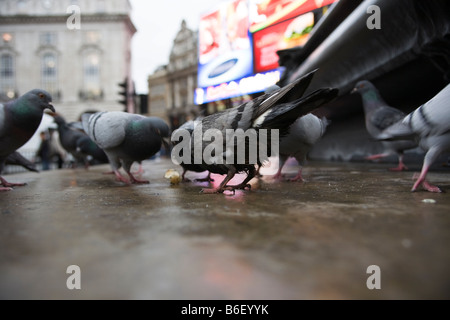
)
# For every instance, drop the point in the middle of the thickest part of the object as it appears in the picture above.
(430, 126)
(378, 116)
(126, 138)
(276, 110)
(189, 126)
(78, 143)
(19, 120)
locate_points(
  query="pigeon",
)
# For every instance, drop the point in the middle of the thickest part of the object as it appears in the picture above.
(276, 110)
(303, 135)
(126, 138)
(86, 146)
(19, 120)
(189, 126)
(77, 143)
(17, 159)
(378, 116)
(429, 124)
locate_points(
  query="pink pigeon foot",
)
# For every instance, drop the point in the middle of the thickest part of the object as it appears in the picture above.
(425, 184)
(400, 167)
(298, 177)
(137, 181)
(120, 177)
(9, 185)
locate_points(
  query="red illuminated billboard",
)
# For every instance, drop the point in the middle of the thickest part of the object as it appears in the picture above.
(287, 34)
(286, 24)
(265, 13)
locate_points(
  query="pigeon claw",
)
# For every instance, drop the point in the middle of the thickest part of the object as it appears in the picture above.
(10, 185)
(427, 186)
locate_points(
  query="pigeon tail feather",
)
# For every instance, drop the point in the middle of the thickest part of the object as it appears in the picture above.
(284, 115)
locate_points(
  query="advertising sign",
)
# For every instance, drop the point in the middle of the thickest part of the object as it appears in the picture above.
(265, 13)
(281, 24)
(225, 51)
(238, 44)
(287, 34)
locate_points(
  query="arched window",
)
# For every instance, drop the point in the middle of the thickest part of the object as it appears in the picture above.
(49, 73)
(91, 76)
(7, 76)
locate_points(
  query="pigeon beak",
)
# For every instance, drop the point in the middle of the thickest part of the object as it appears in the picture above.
(50, 106)
(353, 90)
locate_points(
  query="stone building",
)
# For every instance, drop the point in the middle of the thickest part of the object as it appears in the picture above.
(171, 87)
(78, 50)
(158, 93)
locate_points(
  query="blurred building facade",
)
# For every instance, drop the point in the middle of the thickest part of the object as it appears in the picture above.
(78, 50)
(171, 87)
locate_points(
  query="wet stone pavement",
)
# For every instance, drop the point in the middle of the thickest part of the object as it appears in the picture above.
(281, 240)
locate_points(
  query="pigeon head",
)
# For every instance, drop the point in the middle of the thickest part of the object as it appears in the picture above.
(162, 129)
(159, 126)
(40, 98)
(363, 86)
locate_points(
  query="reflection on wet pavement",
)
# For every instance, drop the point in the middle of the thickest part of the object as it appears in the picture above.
(280, 240)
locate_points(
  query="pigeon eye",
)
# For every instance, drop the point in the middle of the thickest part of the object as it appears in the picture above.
(41, 95)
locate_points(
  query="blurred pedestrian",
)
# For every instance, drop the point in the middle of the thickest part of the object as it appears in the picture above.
(43, 153)
(57, 153)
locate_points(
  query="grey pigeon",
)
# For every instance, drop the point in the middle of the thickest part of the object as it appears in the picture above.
(430, 126)
(304, 133)
(126, 138)
(78, 143)
(189, 126)
(19, 120)
(276, 110)
(378, 116)
(17, 159)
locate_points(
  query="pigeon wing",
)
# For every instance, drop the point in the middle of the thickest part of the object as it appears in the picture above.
(106, 129)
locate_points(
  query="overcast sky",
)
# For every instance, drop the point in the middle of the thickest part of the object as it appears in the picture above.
(157, 23)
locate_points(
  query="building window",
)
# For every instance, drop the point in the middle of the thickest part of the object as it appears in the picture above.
(22, 6)
(7, 66)
(49, 74)
(91, 76)
(47, 4)
(48, 39)
(101, 6)
(7, 78)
